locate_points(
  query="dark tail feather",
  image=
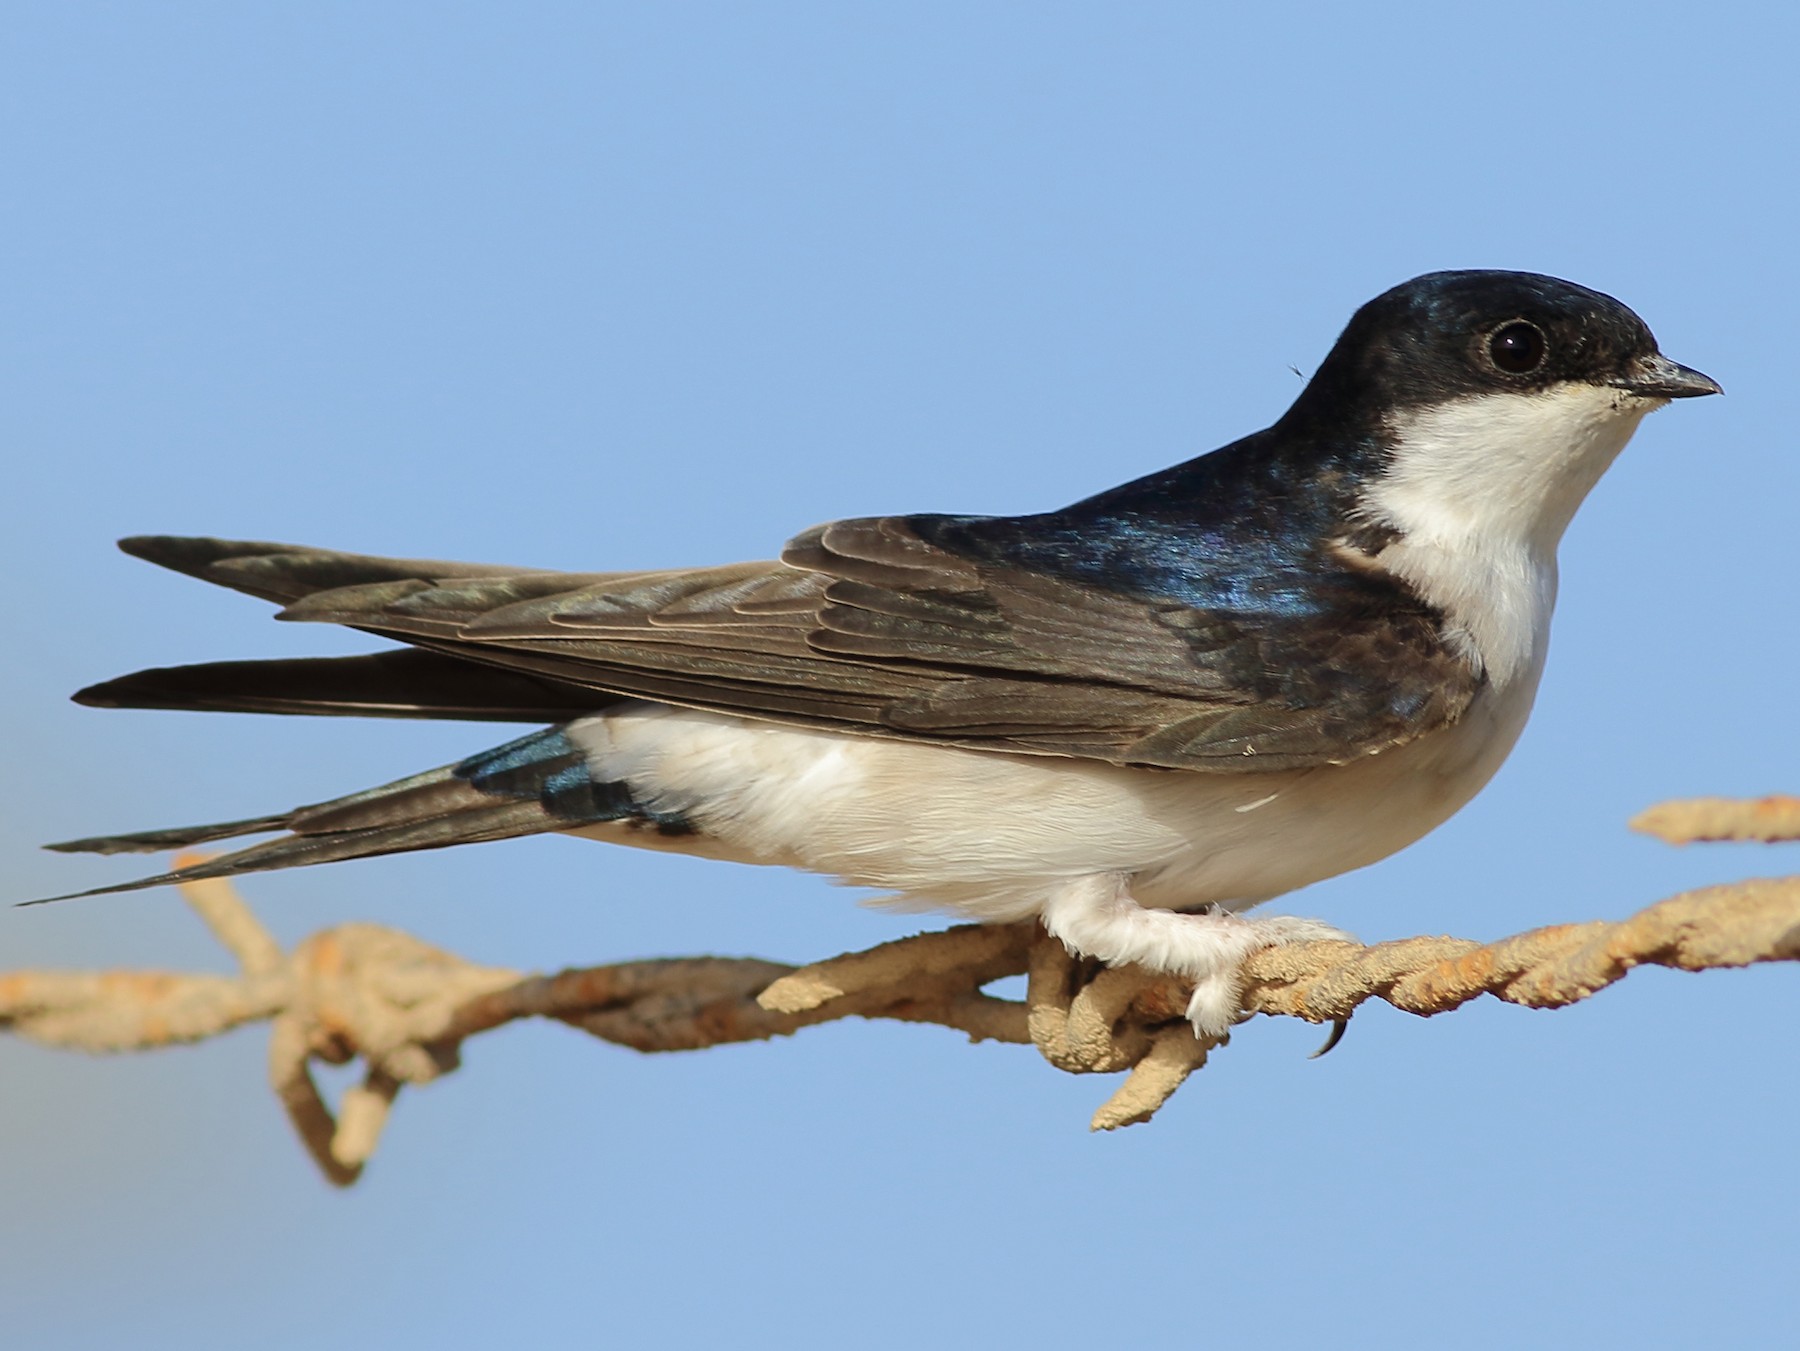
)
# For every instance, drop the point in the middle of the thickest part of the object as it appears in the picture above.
(491, 821)
(399, 802)
(404, 683)
(178, 837)
(539, 782)
(424, 811)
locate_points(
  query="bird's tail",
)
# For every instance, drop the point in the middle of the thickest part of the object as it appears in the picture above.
(541, 782)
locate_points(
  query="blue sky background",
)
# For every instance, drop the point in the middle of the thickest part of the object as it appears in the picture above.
(605, 286)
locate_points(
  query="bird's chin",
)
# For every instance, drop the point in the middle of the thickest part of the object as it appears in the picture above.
(1628, 404)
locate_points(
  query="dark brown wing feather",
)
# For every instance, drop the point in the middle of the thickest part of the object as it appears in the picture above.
(865, 627)
(405, 682)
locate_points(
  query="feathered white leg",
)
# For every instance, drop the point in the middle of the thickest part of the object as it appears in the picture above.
(1096, 917)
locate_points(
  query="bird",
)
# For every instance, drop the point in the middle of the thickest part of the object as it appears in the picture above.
(1131, 719)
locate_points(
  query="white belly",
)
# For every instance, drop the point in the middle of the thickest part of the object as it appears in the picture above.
(988, 836)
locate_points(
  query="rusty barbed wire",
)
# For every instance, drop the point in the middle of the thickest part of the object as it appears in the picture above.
(404, 1007)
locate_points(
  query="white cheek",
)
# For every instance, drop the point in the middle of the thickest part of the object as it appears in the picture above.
(1504, 465)
(1480, 491)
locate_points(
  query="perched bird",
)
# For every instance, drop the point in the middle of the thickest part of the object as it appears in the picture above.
(1133, 718)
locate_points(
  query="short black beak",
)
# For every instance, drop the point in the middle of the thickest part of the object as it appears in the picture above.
(1656, 377)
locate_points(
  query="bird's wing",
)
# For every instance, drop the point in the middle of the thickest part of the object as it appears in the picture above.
(863, 626)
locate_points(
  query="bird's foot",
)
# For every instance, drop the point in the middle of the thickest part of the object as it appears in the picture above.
(1097, 917)
(1220, 953)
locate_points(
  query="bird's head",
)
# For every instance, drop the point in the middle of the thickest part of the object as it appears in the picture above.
(1497, 399)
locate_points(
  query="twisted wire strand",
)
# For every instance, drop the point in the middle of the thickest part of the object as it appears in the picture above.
(1774, 819)
(403, 1007)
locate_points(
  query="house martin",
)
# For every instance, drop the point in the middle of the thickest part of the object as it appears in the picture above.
(1132, 719)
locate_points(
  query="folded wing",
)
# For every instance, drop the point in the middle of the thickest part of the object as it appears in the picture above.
(863, 626)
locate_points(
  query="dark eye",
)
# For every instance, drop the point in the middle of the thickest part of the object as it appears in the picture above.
(1518, 348)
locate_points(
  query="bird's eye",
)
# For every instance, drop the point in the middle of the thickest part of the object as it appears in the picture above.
(1518, 348)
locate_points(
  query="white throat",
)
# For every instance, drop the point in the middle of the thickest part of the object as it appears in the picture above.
(1480, 491)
